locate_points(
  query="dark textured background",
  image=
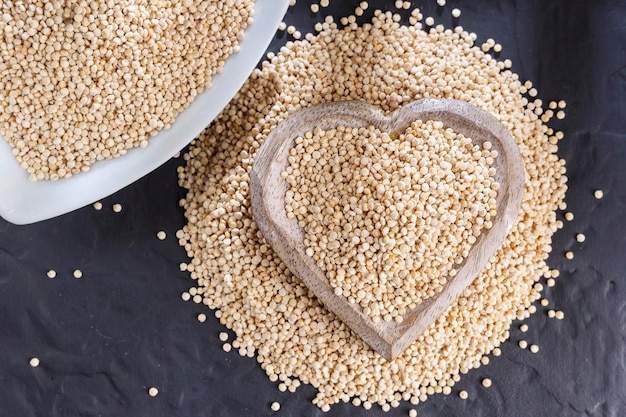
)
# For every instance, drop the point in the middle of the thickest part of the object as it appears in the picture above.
(104, 339)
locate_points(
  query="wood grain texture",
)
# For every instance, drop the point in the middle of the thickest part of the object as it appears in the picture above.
(286, 237)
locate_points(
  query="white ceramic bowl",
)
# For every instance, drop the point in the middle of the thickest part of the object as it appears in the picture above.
(23, 201)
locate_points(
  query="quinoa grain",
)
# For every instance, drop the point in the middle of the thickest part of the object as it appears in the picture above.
(271, 313)
(350, 190)
(102, 77)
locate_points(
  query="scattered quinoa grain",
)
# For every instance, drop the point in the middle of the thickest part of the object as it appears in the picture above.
(429, 21)
(315, 7)
(161, 235)
(598, 194)
(97, 205)
(559, 315)
(569, 255)
(551, 314)
(185, 296)
(456, 13)
(496, 352)
(117, 207)
(275, 406)
(412, 412)
(153, 391)
(486, 382)
(560, 115)
(34, 362)
(544, 302)
(201, 317)
(223, 336)
(522, 344)
(534, 348)
(463, 395)
(226, 347)
(51, 273)
(524, 327)
(78, 273)
(550, 282)
(441, 3)
(580, 238)
(569, 216)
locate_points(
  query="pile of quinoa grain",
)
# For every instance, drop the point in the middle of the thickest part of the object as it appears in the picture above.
(272, 314)
(389, 218)
(82, 81)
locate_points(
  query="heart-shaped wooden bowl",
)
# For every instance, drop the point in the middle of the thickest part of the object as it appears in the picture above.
(286, 237)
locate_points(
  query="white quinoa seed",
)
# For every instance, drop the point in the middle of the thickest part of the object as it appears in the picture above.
(456, 13)
(271, 313)
(463, 395)
(161, 235)
(275, 406)
(117, 207)
(522, 344)
(486, 382)
(534, 348)
(34, 362)
(201, 317)
(559, 315)
(598, 194)
(117, 72)
(569, 216)
(78, 273)
(153, 391)
(580, 237)
(51, 273)
(223, 336)
(97, 205)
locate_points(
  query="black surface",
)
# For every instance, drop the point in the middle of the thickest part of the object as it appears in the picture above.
(104, 339)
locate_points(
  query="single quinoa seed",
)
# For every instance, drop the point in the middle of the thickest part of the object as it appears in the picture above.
(78, 273)
(97, 205)
(270, 312)
(463, 395)
(486, 382)
(598, 194)
(117, 207)
(51, 274)
(275, 406)
(161, 235)
(117, 73)
(34, 362)
(153, 391)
